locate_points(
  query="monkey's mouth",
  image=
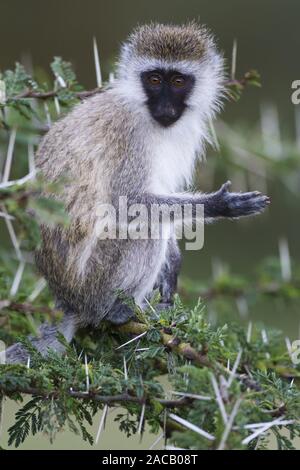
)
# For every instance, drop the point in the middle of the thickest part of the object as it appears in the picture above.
(166, 120)
(166, 116)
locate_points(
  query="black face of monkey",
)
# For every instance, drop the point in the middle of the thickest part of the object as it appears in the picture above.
(167, 92)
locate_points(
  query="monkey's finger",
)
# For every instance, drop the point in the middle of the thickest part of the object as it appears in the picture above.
(256, 205)
(250, 195)
(225, 187)
(239, 206)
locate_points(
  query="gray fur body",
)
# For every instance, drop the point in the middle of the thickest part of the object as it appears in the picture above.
(111, 161)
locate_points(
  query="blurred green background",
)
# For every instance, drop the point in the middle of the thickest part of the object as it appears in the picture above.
(267, 34)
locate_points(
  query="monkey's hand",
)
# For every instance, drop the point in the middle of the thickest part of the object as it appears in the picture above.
(226, 204)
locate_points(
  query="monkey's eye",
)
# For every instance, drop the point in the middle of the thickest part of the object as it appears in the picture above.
(178, 81)
(154, 79)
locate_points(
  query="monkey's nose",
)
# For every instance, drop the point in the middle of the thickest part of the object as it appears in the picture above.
(165, 115)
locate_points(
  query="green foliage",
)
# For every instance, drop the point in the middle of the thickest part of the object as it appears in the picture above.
(16, 81)
(61, 398)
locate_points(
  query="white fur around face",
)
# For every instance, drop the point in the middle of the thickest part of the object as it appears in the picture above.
(173, 152)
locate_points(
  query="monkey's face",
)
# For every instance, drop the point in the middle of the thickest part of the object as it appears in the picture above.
(167, 92)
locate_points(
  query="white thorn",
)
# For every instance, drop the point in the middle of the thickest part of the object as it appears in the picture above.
(235, 367)
(39, 287)
(101, 424)
(60, 81)
(151, 307)
(229, 424)
(47, 113)
(9, 156)
(13, 237)
(17, 279)
(288, 346)
(262, 424)
(264, 336)
(271, 130)
(219, 398)
(233, 59)
(170, 447)
(125, 368)
(191, 426)
(97, 63)
(31, 162)
(131, 340)
(141, 419)
(2, 92)
(81, 352)
(261, 430)
(285, 260)
(18, 182)
(192, 395)
(2, 353)
(6, 216)
(87, 377)
(160, 437)
(249, 332)
(242, 306)
(57, 105)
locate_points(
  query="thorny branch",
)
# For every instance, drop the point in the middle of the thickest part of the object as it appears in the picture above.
(55, 93)
(29, 93)
(105, 399)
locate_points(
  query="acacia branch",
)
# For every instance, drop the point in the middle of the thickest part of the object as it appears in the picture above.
(170, 341)
(28, 308)
(44, 95)
(93, 396)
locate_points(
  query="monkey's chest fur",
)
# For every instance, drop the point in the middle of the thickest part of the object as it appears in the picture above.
(173, 153)
(116, 157)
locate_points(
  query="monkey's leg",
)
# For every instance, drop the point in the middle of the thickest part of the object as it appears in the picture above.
(167, 279)
(46, 339)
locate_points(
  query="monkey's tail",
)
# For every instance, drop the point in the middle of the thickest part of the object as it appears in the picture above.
(45, 340)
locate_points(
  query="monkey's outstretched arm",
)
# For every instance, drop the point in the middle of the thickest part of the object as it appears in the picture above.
(219, 204)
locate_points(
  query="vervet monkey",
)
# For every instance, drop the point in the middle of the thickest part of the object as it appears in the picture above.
(140, 138)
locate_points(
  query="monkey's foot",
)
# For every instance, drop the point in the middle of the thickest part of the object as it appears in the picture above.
(239, 204)
(16, 354)
(120, 313)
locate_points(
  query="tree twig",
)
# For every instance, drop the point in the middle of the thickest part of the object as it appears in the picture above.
(55, 93)
(44, 95)
(170, 341)
(105, 399)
